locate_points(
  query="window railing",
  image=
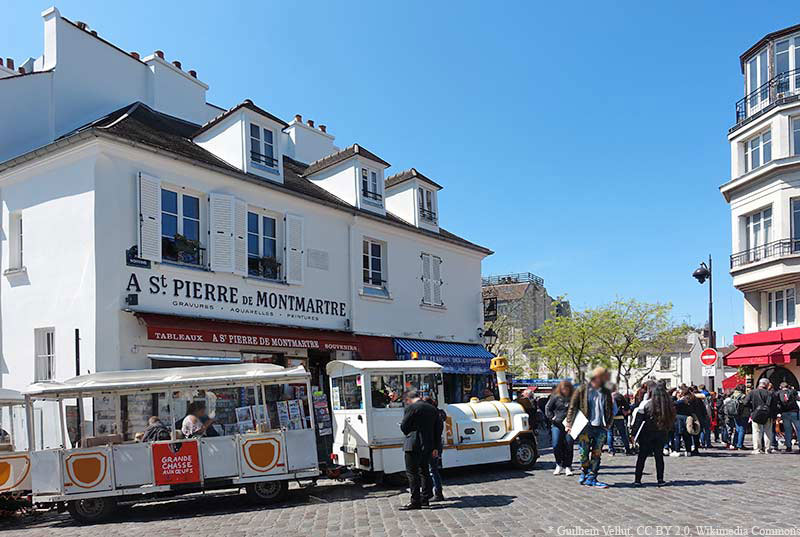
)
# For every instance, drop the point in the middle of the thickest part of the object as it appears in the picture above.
(258, 158)
(430, 216)
(770, 250)
(183, 252)
(371, 195)
(263, 267)
(779, 87)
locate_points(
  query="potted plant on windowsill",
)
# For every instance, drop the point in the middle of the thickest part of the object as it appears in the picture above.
(187, 250)
(270, 267)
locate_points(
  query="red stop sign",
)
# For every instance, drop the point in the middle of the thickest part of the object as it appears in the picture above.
(709, 356)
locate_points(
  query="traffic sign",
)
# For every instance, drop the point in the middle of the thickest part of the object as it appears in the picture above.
(709, 356)
(709, 370)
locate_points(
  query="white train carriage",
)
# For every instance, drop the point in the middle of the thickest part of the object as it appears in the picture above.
(368, 408)
(15, 462)
(260, 453)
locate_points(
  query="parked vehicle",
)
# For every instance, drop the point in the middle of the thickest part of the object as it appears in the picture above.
(270, 442)
(15, 463)
(367, 409)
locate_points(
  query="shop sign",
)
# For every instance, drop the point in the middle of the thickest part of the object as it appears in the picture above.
(175, 463)
(232, 337)
(214, 296)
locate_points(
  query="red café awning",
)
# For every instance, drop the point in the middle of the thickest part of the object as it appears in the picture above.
(731, 382)
(196, 330)
(771, 347)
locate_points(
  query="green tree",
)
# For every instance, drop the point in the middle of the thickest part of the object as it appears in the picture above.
(567, 342)
(627, 329)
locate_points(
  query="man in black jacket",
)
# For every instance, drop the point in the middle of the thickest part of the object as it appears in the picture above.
(761, 404)
(787, 406)
(419, 425)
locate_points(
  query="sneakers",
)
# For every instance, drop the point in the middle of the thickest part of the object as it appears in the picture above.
(584, 478)
(568, 471)
(675, 454)
(662, 483)
(557, 470)
(593, 482)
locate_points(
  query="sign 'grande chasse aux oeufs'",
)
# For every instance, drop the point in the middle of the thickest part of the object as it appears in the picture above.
(238, 300)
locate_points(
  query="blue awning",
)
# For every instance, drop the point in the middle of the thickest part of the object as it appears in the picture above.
(463, 358)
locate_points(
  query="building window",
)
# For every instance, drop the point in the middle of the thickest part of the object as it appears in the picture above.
(758, 233)
(262, 146)
(16, 257)
(374, 267)
(427, 210)
(757, 77)
(757, 151)
(796, 134)
(431, 280)
(641, 362)
(180, 228)
(45, 350)
(665, 363)
(262, 246)
(781, 308)
(370, 185)
(787, 63)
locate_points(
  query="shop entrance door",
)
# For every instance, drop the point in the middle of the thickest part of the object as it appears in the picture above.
(317, 362)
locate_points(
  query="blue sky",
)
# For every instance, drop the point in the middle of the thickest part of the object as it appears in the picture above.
(582, 141)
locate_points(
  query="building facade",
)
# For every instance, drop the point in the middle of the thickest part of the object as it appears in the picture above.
(515, 307)
(764, 196)
(145, 227)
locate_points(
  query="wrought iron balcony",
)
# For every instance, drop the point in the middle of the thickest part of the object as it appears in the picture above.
(427, 215)
(371, 195)
(771, 92)
(258, 158)
(770, 250)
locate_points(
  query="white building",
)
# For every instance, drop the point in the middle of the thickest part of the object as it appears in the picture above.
(160, 229)
(764, 195)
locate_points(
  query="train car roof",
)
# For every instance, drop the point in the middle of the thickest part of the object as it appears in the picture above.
(340, 366)
(11, 397)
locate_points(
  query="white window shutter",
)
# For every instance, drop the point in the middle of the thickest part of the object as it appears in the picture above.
(149, 237)
(293, 260)
(426, 278)
(240, 237)
(436, 277)
(220, 241)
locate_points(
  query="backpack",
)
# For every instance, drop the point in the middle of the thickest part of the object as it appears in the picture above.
(787, 400)
(732, 406)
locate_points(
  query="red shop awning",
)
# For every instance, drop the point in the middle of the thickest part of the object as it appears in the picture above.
(731, 382)
(767, 354)
(195, 330)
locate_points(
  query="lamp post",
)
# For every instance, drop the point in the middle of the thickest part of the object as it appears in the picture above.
(489, 338)
(701, 274)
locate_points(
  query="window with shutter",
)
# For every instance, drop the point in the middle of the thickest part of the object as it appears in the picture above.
(240, 238)
(221, 216)
(431, 280)
(45, 354)
(426, 279)
(149, 237)
(436, 280)
(294, 248)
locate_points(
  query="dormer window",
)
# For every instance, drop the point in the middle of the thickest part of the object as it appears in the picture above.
(427, 205)
(262, 148)
(370, 189)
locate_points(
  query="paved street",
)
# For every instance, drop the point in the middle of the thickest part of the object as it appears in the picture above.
(716, 490)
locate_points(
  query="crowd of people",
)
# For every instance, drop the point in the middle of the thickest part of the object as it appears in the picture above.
(658, 421)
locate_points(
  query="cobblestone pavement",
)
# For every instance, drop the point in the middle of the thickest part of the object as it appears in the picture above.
(721, 489)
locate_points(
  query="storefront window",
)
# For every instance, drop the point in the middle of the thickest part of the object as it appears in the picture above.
(387, 391)
(346, 393)
(425, 384)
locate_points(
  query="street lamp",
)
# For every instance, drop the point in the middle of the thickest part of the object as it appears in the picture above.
(489, 338)
(701, 274)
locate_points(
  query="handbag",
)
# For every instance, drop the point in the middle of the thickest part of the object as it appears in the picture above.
(693, 425)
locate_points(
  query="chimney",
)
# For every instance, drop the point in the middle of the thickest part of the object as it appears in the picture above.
(80, 24)
(177, 64)
(160, 54)
(94, 33)
(135, 55)
(298, 118)
(22, 70)
(193, 73)
(1, 62)
(10, 63)
(310, 123)
(323, 128)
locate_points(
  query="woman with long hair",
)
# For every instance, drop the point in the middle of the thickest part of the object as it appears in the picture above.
(556, 411)
(654, 418)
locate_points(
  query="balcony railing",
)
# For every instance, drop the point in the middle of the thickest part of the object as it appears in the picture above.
(371, 195)
(258, 158)
(430, 216)
(770, 250)
(182, 252)
(779, 87)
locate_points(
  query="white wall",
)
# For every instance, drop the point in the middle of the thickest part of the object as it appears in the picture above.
(340, 180)
(401, 202)
(225, 140)
(58, 288)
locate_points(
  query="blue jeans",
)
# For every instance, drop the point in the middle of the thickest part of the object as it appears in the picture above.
(436, 477)
(590, 446)
(791, 421)
(705, 435)
(736, 426)
(622, 430)
(562, 446)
